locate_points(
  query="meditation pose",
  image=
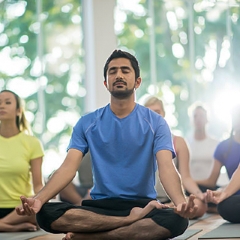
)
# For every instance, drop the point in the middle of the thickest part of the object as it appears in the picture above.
(20, 164)
(227, 199)
(127, 142)
(227, 154)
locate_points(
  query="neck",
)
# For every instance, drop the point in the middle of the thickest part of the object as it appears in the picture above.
(122, 108)
(8, 130)
(200, 134)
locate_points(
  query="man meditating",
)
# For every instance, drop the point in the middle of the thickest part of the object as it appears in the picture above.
(128, 143)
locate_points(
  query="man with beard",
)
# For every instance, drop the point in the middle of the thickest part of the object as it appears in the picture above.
(127, 142)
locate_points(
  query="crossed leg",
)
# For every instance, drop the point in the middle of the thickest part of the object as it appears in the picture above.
(83, 224)
(14, 223)
(141, 230)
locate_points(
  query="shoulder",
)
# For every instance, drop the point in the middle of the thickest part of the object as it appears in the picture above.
(149, 115)
(92, 117)
(223, 144)
(31, 142)
(179, 142)
(29, 138)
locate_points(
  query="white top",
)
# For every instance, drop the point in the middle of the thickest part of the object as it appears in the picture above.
(201, 157)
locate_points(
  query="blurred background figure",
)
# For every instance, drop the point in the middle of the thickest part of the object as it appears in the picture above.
(181, 162)
(201, 147)
(21, 156)
(227, 154)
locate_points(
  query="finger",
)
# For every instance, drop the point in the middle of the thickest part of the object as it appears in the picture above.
(193, 212)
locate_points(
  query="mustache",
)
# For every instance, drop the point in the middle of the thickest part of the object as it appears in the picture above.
(119, 81)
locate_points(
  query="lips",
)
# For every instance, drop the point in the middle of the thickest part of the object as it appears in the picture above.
(119, 83)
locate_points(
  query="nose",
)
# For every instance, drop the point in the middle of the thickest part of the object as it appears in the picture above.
(119, 74)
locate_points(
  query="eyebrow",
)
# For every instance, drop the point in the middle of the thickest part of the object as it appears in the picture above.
(122, 68)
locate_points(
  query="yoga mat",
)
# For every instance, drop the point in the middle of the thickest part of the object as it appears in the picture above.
(226, 230)
(21, 235)
(187, 234)
(193, 221)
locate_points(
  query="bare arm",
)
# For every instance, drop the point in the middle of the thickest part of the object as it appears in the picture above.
(211, 181)
(182, 153)
(169, 177)
(232, 187)
(36, 169)
(234, 184)
(62, 176)
(59, 180)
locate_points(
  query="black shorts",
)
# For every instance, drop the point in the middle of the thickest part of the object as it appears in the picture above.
(113, 207)
(5, 211)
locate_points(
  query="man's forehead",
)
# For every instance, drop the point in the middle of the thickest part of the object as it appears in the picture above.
(119, 62)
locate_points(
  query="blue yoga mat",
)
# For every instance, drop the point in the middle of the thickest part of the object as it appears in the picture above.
(187, 234)
(226, 230)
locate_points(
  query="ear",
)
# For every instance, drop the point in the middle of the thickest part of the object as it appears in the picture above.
(105, 83)
(19, 112)
(138, 83)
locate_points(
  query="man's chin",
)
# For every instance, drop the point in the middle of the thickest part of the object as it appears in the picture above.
(124, 94)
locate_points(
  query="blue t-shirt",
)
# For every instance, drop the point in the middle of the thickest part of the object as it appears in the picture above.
(123, 151)
(228, 154)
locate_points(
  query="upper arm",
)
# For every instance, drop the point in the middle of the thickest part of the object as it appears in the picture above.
(36, 170)
(182, 153)
(164, 160)
(72, 160)
(215, 172)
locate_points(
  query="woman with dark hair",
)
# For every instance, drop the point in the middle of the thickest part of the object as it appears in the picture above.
(227, 154)
(20, 163)
(227, 199)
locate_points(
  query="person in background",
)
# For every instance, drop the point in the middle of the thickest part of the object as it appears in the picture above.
(227, 154)
(126, 142)
(181, 162)
(228, 202)
(201, 147)
(21, 156)
(74, 193)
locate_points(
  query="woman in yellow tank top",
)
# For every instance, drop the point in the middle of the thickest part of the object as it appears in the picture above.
(21, 157)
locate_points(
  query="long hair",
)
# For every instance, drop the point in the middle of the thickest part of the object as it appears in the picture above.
(235, 112)
(21, 121)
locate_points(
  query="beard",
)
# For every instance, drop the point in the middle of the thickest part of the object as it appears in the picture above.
(122, 94)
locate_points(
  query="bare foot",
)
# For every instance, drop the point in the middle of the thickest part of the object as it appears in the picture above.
(29, 227)
(138, 213)
(68, 236)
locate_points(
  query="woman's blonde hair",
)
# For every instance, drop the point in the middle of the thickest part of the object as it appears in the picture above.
(21, 121)
(153, 100)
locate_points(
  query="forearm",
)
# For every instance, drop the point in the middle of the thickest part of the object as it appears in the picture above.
(59, 180)
(173, 186)
(191, 186)
(233, 186)
(206, 183)
(38, 187)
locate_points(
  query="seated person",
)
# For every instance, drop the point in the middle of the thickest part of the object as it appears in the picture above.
(201, 146)
(228, 199)
(127, 142)
(227, 153)
(76, 193)
(181, 162)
